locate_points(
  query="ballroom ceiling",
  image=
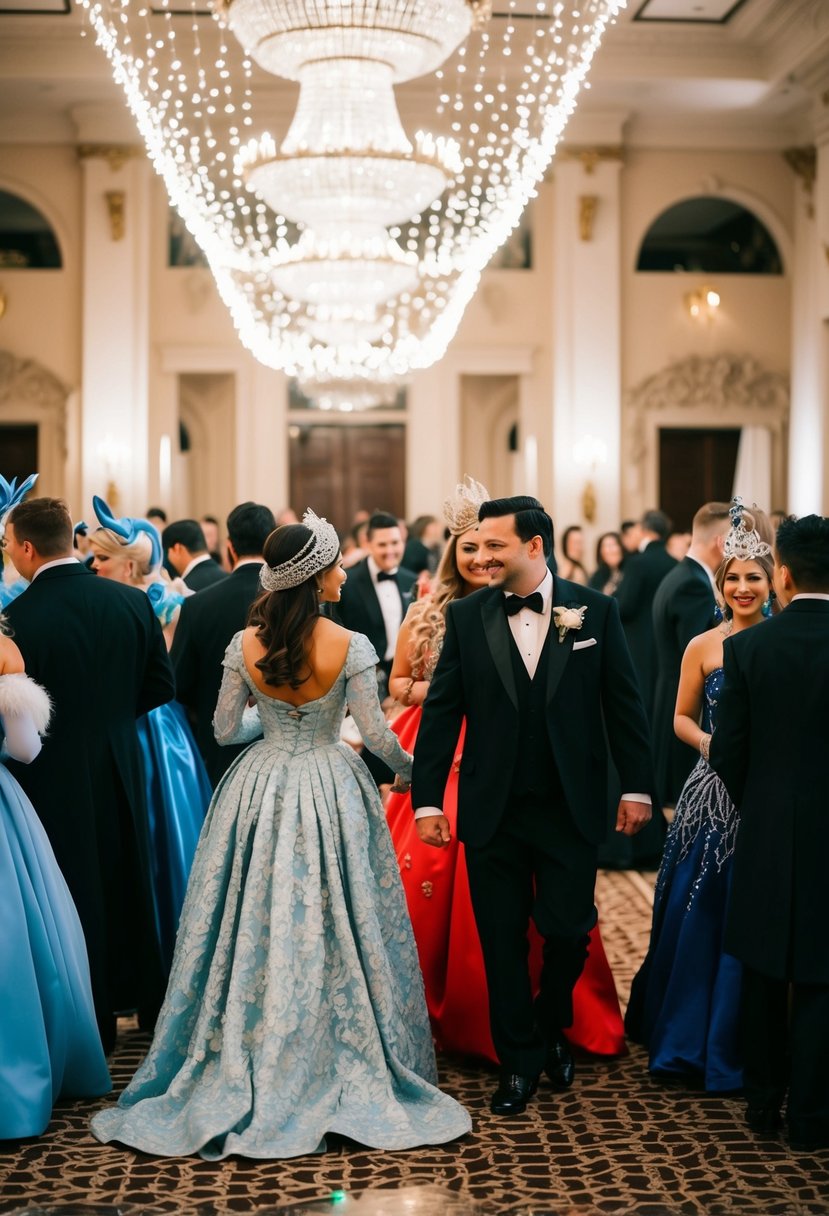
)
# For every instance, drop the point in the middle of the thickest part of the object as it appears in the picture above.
(716, 73)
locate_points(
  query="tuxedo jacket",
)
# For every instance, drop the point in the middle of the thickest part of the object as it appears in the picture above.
(683, 607)
(204, 575)
(592, 700)
(359, 607)
(635, 595)
(769, 747)
(205, 626)
(98, 650)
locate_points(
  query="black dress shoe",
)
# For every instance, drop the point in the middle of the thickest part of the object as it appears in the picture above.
(806, 1140)
(560, 1066)
(763, 1120)
(513, 1094)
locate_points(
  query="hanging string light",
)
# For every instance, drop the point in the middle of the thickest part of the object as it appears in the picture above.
(348, 249)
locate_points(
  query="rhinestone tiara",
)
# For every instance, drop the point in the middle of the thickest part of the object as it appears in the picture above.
(740, 542)
(318, 552)
(461, 510)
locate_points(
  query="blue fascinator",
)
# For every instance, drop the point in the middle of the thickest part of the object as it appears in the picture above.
(128, 529)
(11, 493)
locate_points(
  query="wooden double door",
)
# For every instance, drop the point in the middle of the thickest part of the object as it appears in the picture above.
(695, 466)
(340, 469)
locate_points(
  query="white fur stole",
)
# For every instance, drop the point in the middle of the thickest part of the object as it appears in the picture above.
(19, 694)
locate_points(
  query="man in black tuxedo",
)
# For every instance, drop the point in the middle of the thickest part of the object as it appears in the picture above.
(375, 598)
(770, 750)
(185, 548)
(374, 602)
(540, 669)
(684, 606)
(97, 648)
(207, 623)
(644, 571)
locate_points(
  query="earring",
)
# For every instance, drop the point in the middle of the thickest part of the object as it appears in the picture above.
(319, 590)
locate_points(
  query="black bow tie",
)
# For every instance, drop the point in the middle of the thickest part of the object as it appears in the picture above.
(514, 603)
(382, 575)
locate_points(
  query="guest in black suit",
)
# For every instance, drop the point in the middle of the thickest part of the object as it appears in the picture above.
(185, 548)
(375, 598)
(770, 750)
(683, 607)
(542, 681)
(207, 623)
(644, 571)
(97, 648)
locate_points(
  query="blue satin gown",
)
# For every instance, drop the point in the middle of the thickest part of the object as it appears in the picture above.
(178, 794)
(49, 1041)
(685, 998)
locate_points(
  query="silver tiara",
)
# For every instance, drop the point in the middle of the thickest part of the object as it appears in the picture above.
(741, 543)
(318, 552)
(461, 510)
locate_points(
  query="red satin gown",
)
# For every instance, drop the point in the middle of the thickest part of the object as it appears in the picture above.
(440, 906)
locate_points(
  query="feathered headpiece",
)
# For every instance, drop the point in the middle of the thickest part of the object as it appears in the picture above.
(740, 542)
(11, 494)
(461, 510)
(128, 529)
(318, 552)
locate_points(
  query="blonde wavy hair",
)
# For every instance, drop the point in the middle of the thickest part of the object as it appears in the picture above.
(139, 551)
(427, 616)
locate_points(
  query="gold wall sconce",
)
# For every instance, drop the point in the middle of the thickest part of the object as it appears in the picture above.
(116, 201)
(702, 304)
(590, 454)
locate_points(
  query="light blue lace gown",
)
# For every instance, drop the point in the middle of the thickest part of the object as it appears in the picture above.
(295, 1005)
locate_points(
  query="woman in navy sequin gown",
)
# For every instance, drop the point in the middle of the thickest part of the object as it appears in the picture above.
(685, 998)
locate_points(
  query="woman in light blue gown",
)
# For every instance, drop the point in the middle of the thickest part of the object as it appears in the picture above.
(295, 1006)
(49, 1041)
(178, 788)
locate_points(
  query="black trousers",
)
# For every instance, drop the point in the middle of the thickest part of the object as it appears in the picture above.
(785, 1040)
(536, 866)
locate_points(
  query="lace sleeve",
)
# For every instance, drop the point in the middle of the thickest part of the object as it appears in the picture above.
(364, 706)
(234, 721)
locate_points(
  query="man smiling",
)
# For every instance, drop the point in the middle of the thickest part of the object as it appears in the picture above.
(540, 669)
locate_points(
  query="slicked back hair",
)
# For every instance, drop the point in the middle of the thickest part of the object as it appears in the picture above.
(530, 517)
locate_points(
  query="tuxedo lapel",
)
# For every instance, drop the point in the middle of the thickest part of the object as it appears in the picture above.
(498, 639)
(565, 595)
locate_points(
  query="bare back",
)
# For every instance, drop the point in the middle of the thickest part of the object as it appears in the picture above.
(327, 651)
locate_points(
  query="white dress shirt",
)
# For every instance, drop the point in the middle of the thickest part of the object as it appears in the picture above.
(529, 629)
(809, 595)
(391, 605)
(59, 561)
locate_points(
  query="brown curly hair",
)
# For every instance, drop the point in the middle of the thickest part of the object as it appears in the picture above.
(427, 616)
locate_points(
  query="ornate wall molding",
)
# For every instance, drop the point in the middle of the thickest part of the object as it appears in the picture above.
(723, 390)
(30, 393)
(25, 381)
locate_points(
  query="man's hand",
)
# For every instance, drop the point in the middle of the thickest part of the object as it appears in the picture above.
(434, 830)
(631, 817)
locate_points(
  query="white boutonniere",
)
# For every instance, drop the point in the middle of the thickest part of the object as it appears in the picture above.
(566, 619)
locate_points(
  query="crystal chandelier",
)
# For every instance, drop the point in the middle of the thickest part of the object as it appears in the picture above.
(347, 251)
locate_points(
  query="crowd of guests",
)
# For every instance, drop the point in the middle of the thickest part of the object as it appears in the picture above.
(217, 858)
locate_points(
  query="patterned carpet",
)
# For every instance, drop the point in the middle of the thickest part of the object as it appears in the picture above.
(616, 1143)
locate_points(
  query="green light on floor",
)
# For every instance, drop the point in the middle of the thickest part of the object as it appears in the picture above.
(338, 1197)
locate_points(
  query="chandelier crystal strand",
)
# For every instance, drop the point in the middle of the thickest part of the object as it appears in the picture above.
(381, 293)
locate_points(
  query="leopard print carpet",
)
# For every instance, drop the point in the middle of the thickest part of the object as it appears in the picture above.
(618, 1142)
